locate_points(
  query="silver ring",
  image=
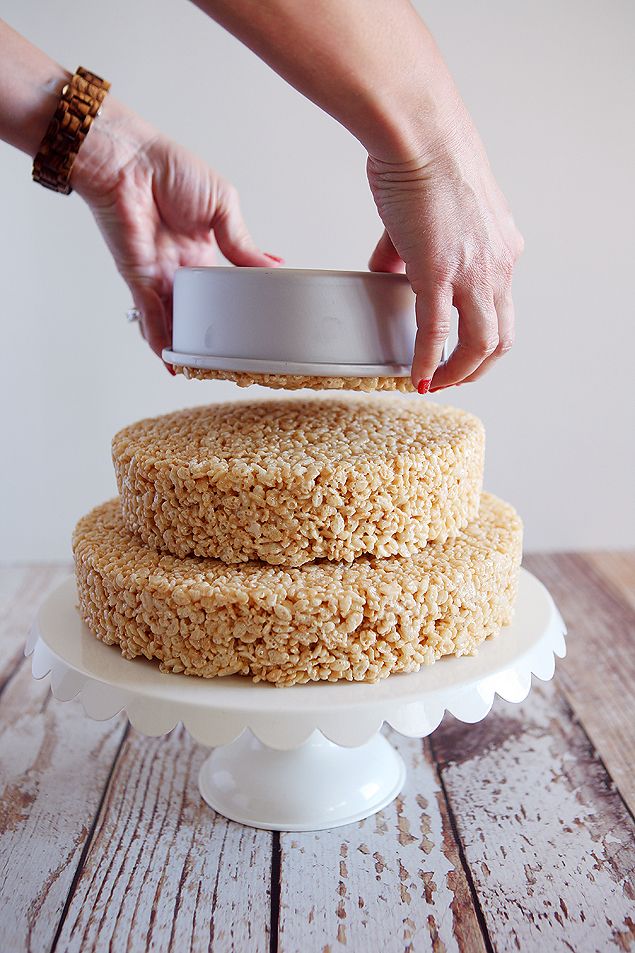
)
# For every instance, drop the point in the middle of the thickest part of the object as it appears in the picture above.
(133, 314)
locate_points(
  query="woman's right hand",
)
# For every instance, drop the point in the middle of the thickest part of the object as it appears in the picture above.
(448, 225)
(446, 220)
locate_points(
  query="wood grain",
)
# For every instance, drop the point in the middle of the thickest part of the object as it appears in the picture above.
(22, 590)
(47, 797)
(164, 872)
(618, 568)
(54, 764)
(549, 841)
(393, 883)
(598, 674)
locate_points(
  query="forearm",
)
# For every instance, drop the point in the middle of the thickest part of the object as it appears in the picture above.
(30, 84)
(371, 64)
(30, 87)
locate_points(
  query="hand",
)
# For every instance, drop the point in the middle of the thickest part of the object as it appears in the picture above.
(447, 223)
(159, 208)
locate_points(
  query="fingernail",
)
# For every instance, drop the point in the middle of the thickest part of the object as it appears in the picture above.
(424, 386)
(170, 369)
(274, 258)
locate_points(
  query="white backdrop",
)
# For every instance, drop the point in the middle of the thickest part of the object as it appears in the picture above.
(551, 88)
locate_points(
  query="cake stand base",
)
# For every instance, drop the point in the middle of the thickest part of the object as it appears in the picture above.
(303, 758)
(311, 788)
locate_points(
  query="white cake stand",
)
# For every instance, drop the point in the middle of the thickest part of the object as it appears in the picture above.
(308, 757)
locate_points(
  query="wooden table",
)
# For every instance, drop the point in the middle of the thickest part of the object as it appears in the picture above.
(513, 834)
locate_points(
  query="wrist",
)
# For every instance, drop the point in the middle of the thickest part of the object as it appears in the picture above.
(116, 138)
(409, 126)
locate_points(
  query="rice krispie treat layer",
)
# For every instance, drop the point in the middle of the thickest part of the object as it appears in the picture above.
(323, 621)
(291, 481)
(299, 381)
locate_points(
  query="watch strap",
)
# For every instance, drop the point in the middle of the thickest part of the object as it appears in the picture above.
(79, 104)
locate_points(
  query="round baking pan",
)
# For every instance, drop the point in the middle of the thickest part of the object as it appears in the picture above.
(293, 321)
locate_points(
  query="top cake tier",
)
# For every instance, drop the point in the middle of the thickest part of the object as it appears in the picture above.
(291, 481)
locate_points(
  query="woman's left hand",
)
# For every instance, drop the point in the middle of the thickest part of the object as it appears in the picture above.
(159, 208)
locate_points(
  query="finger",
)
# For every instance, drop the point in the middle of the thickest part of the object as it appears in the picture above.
(155, 316)
(433, 309)
(232, 234)
(385, 257)
(478, 339)
(505, 312)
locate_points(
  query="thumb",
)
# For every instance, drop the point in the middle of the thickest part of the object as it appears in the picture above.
(155, 315)
(385, 257)
(232, 235)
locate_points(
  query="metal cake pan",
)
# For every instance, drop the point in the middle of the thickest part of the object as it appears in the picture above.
(293, 321)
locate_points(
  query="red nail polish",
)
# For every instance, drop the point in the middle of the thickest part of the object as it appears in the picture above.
(423, 386)
(170, 369)
(274, 258)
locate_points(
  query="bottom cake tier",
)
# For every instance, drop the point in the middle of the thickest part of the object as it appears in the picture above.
(323, 621)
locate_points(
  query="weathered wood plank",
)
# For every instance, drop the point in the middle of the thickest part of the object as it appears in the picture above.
(22, 590)
(47, 799)
(164, 872)
(54, 764)
(619, 569)
(549, 841)
(598, 673)
(393, 883)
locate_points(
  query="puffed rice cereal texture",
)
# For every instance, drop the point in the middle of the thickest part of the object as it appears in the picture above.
(320, 622)
(298, 381)
(291, 481)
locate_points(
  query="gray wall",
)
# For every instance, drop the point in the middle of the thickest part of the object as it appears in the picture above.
(551, 88)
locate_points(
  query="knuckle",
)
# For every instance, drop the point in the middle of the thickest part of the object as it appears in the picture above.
(230, 195)
(512, 253)
(505, 344)
(433, 315)
(519, 244)
(476, 282)
(437, 331)
(485, 346)
(506, 264)
(443, 271)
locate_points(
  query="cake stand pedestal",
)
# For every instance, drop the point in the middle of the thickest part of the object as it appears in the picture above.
(309, 757)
